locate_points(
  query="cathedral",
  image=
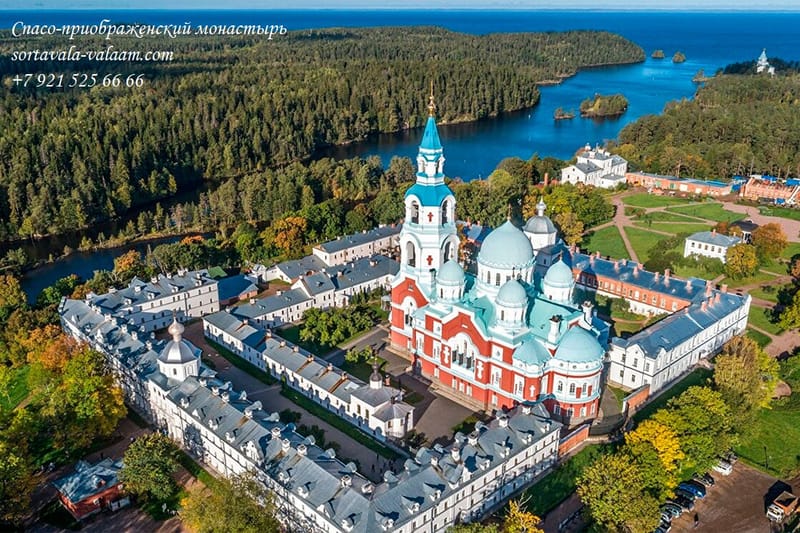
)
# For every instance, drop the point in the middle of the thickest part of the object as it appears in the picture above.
(509, 333)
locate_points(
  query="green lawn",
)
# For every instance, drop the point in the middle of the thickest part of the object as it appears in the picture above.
(708, 211)
(760, 318)
(693, 270)
(292, 334)
(607, 241)
(698, 376)
(339, 423)
(626, 327)
(17, 389)
(782, 212)
(673, 227)
(619, 394)
(761, 339)
(557, 486)
(652, 200)
(195, 469)
(363, 369)
(758, 277)
(767, 292)
(642, 241)
(777, 430)
(666, 216)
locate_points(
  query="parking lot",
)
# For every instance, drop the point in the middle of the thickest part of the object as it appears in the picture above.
(735, 504)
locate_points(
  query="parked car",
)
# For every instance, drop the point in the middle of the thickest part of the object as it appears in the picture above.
(672, 509)
(730, 456)
(723, 467)
(684, 503)
(689, 495)
(705, 479)
(695, 487)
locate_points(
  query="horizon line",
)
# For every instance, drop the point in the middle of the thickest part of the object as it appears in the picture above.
(631, 9)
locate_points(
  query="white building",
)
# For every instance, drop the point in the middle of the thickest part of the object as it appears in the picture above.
(762, 64)
(151, 304)
(709, 244)
(375, 407)
(330, 287)
(315, 492)
(358, 245)
(666, 350)
(596, 167)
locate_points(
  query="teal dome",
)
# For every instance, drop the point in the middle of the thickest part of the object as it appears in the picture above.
(531, 352)
(506, 247)
(579, 346)
(451, 273)
(512, 294)
(559, 275)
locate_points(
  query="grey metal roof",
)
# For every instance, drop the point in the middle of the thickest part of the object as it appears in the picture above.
(271, 304)
(317, 283)
(89, 479)
(712, 237)
(234, 286)
(139, 291)
(357, 239)
(362, 271)
(586, 168)
(307, 265)
(679, 327)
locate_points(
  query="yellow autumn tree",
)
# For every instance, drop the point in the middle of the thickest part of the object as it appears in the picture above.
(663, 439)
(289, 233)
(518, 520)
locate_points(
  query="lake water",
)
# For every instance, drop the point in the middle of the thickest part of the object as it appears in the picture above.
(709, 41)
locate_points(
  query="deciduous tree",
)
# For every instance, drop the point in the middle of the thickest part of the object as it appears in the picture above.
(790, 316)
(148, 466)
(746, 377)
(16, 483)
(741, 261)
(570, 227)
(518, 520)
(770, 240)
(241, 504)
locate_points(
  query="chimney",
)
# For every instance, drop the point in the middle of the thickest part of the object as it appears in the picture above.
(546, 179)
(302, 450)
(703, 306)
(636, 269)
(714, 232)
(616, 265)
(502, 421)
(708, 289)
(455, 453)
(555, 322)
(724, 288)
(587, 312)
(655, 277)
(285, 445)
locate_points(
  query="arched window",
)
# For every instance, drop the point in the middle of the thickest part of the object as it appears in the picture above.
(572, 388)
(448, 251)
(488, 277)
(497, 279)
(414, 212)
(445, 211)
(560, 387)
(502, 314)
(411, 254)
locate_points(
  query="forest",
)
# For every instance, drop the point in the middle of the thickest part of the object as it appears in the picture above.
(735, 125)
(604, 106)
(235, 107)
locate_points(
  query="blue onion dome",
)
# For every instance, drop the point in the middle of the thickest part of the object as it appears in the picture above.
(506, 247)
(559, 275)
(451, 273)
(579, 346)
(512, 294)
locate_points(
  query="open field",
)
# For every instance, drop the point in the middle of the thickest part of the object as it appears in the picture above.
(652, 200)
(673, 227)
(759, 317)
(666, 216)
(642, 241)
(782, 212)
(608, 241)
(708, 211)
(758, 277)
(761, 339)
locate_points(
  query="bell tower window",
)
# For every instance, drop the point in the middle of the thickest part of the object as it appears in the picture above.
(414, 212)
(411, 258)
(445, 211)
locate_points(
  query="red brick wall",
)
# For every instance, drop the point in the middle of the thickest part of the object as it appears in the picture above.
(573, 439)
(87, 506)
(635, 399)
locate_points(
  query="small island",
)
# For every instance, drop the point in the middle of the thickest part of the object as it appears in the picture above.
(561, 114)
(604, 106)
(658, 54)
(679, 57)
(700, 77)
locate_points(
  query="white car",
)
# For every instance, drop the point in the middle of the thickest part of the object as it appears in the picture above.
(723, 467)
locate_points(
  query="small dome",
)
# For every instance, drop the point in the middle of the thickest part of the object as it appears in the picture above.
(177, 352)
(539, 225)
(506, 247)
(559, 275)
(512, 294)
(579, 346)
(531, 352)
(451, 273)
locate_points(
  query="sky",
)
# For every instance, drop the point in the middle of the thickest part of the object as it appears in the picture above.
(682, 5)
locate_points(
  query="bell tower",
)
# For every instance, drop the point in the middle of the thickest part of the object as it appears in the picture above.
(429, 237)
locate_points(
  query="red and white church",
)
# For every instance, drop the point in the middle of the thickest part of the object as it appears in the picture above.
(510, 333)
